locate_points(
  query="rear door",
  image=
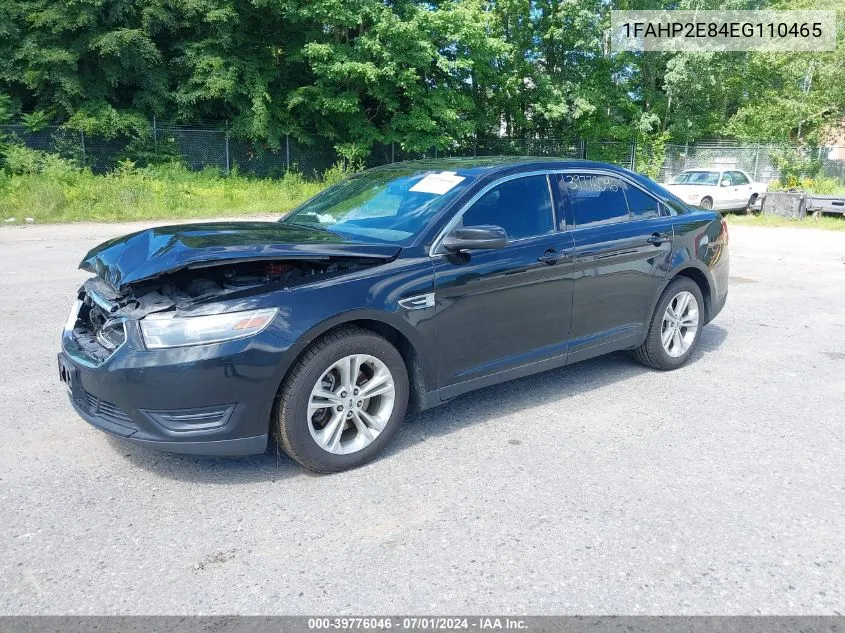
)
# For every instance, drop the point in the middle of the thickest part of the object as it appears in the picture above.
(622, 246)
(742, 189)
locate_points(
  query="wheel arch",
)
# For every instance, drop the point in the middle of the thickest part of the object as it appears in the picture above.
(703, 282)
(420, 373)
(697, 272)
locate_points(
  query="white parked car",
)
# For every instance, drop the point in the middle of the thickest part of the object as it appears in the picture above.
(719, 189)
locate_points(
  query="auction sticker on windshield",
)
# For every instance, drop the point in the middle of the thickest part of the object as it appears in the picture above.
(438, 183)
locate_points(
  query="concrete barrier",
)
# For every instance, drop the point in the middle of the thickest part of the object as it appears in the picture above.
(785, 204)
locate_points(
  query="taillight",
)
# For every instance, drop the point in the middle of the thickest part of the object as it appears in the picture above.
(723, 236)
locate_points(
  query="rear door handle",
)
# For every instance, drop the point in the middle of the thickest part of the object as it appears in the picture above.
(657, 238)
(551, 256)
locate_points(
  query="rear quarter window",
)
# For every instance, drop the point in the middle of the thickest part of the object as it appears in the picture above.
(672, 204)
(641, 204)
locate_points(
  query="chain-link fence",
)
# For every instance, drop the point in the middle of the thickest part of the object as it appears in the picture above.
(201, 146)
(758, 161)
(197, 148)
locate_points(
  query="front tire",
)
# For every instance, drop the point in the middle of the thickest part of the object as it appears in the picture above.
(675, 327)
(342, 401)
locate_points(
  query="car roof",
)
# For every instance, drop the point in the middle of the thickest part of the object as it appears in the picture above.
(488, 165)
(714, 169)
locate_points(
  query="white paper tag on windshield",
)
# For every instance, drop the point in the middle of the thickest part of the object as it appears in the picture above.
(438, 183)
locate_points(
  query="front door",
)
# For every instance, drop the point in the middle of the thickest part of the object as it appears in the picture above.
(498, 310)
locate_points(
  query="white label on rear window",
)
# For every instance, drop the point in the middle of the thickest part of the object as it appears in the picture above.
(438, 183)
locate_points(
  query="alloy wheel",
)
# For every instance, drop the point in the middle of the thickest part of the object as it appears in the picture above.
(680, 324)
(351, 404)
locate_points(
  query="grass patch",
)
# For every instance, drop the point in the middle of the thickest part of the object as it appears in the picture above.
(827, 222)
(51, 189)
(58, 192)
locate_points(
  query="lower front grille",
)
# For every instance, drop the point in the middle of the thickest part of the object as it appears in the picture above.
(108, 411)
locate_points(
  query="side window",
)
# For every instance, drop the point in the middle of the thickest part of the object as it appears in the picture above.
(726, 175)
(739, 178)
(641, 204)
(594, 199)
(521, 206)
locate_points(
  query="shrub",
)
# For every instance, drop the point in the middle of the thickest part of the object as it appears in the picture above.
(143, 150)
(339, 171)
(794, 165)
(650, 154)
(53, 189)
(20, 160)
(820, 185)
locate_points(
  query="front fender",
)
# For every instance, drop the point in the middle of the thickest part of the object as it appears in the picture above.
(371, 296)
(421, 364)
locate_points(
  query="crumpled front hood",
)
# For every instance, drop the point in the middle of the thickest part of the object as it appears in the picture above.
(154, 252)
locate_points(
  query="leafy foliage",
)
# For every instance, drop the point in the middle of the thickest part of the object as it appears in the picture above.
(795, 165)
(419, 74)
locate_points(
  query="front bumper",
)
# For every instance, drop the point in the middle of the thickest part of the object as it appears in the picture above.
(204, 400)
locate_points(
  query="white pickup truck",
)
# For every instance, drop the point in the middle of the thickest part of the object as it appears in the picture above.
(719, 189)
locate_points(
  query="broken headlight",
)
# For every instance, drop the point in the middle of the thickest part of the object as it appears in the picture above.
(166, 330)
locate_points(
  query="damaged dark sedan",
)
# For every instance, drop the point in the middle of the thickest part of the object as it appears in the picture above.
(397, 289)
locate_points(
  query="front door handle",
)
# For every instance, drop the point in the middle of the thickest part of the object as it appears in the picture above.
(551, 256)
(657, 238)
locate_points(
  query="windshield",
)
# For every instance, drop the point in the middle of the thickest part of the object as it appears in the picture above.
(387, 205)
(696, 178)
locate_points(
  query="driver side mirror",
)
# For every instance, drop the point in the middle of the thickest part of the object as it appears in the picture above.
(471, 238)
(725, 183)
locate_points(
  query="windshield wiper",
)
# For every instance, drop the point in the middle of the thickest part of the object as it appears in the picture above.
(305, 225)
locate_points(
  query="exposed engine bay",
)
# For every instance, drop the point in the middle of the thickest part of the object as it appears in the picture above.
(187, 287)
(99, 327)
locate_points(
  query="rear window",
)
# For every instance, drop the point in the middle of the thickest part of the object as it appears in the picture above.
(594, 199)
(739, 178)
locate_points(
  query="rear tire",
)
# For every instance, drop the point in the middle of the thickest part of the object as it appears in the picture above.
(706, 203)
(675, 326)
(328, 432)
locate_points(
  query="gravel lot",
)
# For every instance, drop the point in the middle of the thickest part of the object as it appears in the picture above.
(599, 488)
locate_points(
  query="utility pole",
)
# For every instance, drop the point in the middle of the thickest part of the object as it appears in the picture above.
(228, 166)
(805, 88)
(756, 161)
